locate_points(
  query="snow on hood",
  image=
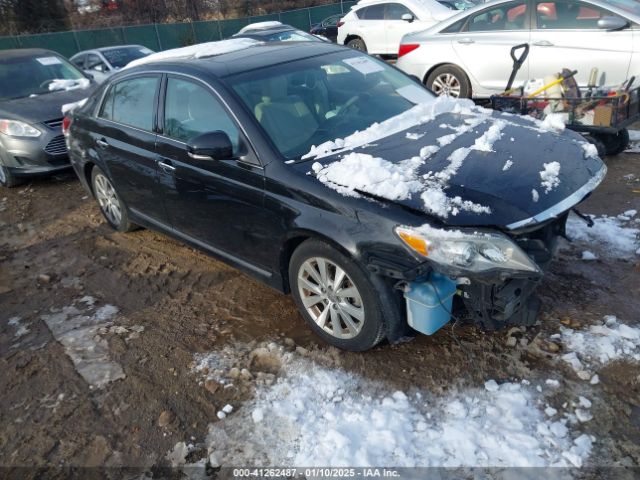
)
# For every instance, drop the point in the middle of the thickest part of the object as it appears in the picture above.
(70, 107)
(463, 163)
(201, 50)
(65, 84)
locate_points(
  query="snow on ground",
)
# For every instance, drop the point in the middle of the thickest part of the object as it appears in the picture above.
(617, 237)
(200, 50)
(634, 141)
(79, 328)
(63, 84)
(317, 414)
(21, 329)
(590, 349)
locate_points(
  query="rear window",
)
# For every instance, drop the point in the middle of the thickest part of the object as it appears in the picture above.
(120, 57)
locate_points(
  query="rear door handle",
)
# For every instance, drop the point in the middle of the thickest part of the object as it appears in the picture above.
(102, 143)
(165, 166)
(466, 41)
(543, 43)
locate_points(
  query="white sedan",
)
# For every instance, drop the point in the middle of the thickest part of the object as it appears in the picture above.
(468, 54)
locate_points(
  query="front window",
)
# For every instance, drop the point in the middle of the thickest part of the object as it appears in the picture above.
(568, 15)
(395, 11)
(120, 57)
(314, 100)
(30, 76)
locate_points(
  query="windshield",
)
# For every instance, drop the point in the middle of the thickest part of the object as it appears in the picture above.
(291, 36)
(631, 6)
(120, 57)
(311, 101)
(28, 76)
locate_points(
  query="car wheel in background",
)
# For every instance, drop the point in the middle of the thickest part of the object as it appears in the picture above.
(337, 297)
(7, 179)
(615, 143)
(112, 207)
(357, 44)
(449, 80)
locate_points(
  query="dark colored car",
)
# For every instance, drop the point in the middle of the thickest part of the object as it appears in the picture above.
(34, 85)
(275, 32)
(331, 175)
(328, 27)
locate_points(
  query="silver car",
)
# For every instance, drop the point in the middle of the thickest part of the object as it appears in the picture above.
(101, 63)
(468, 54)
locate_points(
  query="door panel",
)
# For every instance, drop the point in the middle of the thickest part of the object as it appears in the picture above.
(217, 202)
(566, 36)
(484, 45)
(125, 142)
(371, 26)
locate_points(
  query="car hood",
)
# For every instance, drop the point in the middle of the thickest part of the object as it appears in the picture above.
(42, 108)
(494, 170)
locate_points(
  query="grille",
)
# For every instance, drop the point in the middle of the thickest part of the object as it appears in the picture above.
(57, 146)
(53, 124)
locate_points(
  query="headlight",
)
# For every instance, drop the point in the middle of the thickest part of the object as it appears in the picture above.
(472, 252)
(14, 128)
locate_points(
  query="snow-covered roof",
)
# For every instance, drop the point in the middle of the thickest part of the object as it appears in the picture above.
(201, 50)
(260, 26)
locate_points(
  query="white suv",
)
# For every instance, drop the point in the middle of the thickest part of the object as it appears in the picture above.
(376, 26)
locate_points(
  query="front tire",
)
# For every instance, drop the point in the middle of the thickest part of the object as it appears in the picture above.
(7, 179)
(336, 297)
(615, 143)
(111, 205)
(357, 44)
(449, 80)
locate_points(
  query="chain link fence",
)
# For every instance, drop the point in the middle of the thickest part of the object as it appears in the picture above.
(165, 36)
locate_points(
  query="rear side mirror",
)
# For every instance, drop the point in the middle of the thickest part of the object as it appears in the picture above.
(612, 23)
(210, 146)
(407, 17)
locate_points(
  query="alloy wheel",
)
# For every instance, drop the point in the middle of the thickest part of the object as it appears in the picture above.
(446, 84)
(331, 298)
(108, 199)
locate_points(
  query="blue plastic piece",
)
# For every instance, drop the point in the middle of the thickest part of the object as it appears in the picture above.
(429, 303)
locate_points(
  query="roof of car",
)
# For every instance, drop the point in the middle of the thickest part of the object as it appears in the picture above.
(25, 52)
(114, 47)
(246, 59)
(264, 32)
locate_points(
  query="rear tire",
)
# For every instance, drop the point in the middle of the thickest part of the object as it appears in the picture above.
(337, 297)
(111, 205)
(7, 179)
(357, 44)
(615, 143)
(449, 80)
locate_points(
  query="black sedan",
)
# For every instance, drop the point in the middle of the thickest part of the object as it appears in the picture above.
(34, 85)
(328, 174)
(328, 27)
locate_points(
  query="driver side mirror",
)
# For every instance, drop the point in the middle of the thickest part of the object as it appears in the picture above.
(210, 146)
(407, 17)
(611, 23)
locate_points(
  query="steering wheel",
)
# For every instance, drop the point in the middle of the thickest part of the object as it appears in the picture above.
(350, 103)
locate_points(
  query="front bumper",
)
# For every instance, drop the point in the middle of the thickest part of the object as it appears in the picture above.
(35, 156)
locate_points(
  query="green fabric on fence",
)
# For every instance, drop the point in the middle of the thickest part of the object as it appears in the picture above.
(206, 31)
(62, 42)
(297, 18)
(142, 35)
(89, 39)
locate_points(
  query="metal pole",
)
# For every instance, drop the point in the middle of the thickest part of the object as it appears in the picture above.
(155, 25)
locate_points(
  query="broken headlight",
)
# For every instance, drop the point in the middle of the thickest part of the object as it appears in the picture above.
(472, 252)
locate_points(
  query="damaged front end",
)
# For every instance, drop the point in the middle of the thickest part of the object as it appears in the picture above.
(484, 277)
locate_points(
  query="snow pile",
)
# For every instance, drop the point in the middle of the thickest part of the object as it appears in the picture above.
(549, 176)
(599, 345)
(64, 84)
(70, 107)
(587, 255)
(590, 150)
(320, 415)
(201, 50)
(554, 122)
(418, 115)
(414, 136)
(260, 26)
(615, 235)
(359, 171)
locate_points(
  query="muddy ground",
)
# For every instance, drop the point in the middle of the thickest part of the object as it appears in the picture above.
(55, 249)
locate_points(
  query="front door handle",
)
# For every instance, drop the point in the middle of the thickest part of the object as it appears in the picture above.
(165, 166)
(102, 143)
(466, 41)
(543, 43)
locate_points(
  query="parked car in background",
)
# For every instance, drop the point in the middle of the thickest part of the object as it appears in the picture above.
(275, 32)
(328, 27)
(457, 4)
(376, 26)
(468, 54)
(103, 62)
(289, 161)
(34, 85)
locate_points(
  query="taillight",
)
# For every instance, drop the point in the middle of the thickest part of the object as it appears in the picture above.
(406, 48)
(340, 23)
(66, 124)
